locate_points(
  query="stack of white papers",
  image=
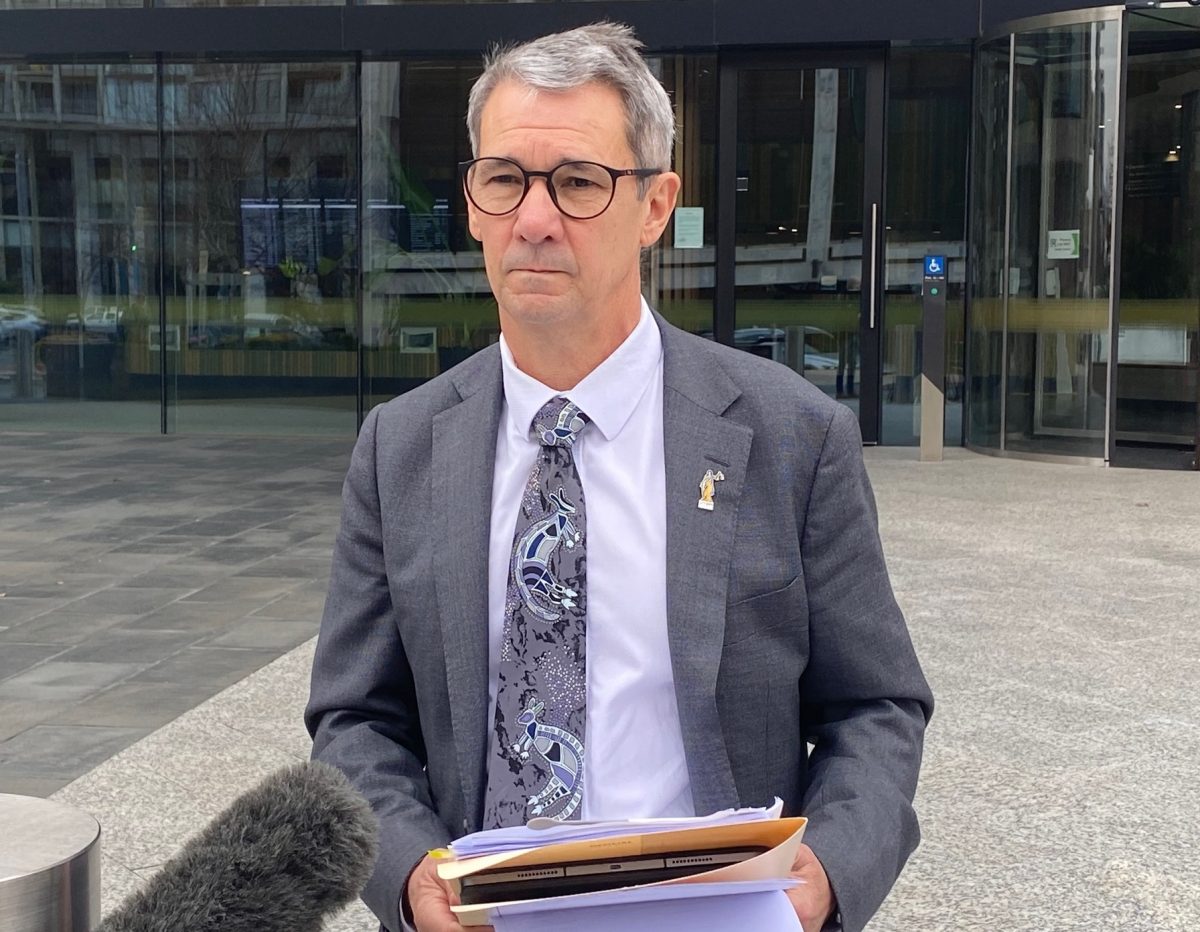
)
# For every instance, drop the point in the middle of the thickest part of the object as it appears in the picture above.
(541, 832)
(761, 905)
(750, 893)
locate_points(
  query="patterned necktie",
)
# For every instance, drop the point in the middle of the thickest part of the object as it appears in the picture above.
(535, 764)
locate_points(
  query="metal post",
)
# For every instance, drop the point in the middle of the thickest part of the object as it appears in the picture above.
(49, 867)
(933, 359)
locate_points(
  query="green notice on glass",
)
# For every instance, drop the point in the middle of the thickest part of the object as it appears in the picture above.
(689, 227)
(1062, 244)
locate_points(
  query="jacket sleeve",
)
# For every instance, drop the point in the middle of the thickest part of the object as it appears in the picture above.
(864, 700)
(362, 710)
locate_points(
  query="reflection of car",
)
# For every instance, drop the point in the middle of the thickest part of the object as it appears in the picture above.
(281, 329)
(99, 319)
(771, 342)
(205, 336)
(813, 360)
(16, 319)
(749, 338)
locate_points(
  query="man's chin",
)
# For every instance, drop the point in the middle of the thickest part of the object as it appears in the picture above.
(537, 307)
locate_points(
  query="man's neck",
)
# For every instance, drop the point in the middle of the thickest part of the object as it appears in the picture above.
(562, 360)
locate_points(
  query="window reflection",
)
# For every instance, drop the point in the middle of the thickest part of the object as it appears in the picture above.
(799, 226)
(78, 249)
(261, 255)
(427, 304)
(678, 275)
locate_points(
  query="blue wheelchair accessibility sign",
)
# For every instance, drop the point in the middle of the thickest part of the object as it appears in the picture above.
(935, 266)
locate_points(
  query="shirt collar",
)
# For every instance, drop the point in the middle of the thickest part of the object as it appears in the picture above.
(608, 394)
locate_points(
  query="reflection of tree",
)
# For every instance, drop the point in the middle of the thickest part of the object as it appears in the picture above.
(240, 135)
(389, 261)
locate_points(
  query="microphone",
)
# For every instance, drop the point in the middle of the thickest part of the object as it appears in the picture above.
(283, 856)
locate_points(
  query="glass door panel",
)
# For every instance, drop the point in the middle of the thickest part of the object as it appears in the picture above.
(1059, 265)
(1157, 393)
(806, 226)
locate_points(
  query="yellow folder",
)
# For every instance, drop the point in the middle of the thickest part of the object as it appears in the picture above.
(781, 838)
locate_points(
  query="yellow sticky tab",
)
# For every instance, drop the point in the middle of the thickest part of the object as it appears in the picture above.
(440, 854)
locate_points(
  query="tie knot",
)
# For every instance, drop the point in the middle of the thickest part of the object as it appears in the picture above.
(557, 423)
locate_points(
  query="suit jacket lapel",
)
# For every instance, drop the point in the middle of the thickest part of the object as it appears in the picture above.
(699, 551)
(464, 449)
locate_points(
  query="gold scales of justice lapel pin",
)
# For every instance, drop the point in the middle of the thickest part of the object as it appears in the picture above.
(708, 485)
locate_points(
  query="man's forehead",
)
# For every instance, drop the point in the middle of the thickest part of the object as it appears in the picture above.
(585, 117)
(593, 97)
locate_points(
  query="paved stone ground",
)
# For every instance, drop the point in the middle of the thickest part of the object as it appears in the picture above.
(1057, 612)
(139, 575)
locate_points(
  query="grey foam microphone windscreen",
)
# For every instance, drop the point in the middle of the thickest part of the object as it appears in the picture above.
(281, 858)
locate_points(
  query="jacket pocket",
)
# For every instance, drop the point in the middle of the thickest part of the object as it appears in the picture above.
(765, 612)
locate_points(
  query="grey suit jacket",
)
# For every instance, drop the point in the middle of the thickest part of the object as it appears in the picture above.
(782, 626)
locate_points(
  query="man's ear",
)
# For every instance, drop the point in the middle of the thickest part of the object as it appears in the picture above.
(660, 202)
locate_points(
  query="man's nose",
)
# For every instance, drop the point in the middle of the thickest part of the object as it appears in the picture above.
(538, 219)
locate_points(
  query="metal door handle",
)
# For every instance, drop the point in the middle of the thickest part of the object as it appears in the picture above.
(874, 247)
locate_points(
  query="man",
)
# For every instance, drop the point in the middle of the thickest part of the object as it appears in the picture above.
(609, 569)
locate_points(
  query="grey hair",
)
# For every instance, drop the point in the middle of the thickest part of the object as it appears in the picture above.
(604, 53)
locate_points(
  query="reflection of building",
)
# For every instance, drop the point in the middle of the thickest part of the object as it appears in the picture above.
(219, 197)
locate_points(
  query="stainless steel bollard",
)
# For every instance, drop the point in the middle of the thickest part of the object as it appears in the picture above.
(49, 867)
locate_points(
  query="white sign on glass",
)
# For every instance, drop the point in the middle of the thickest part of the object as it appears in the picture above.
(689, 227)
(1062, 244)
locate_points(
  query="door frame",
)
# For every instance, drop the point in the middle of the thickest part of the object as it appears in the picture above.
(873, 61)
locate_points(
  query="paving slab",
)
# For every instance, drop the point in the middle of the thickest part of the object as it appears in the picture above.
(53, 751)
(63, 627)
(15, 610)
(131, 646)
(18, 715)
(262, 589)
(193, 666)
(266, 633)
(200, 617)
(16, 658)
(133, 705)
(58, 680)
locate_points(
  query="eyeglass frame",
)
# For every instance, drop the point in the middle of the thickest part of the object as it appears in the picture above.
(528, 175)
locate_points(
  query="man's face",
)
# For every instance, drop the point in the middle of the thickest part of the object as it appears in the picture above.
(544, 267)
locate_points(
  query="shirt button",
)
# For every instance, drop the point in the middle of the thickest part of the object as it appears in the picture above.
(464, 826)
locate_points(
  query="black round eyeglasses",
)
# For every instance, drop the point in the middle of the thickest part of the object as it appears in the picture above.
(580, 190)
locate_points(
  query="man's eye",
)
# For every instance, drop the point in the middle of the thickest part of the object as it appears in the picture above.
(502, 180)
(578, 182)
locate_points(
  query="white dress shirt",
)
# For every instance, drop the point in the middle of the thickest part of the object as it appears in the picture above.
(634, 760)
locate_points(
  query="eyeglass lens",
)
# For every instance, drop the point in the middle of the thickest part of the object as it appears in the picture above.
(581, 189)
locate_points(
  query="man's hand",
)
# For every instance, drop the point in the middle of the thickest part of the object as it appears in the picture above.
(813, 898)
(430, 899)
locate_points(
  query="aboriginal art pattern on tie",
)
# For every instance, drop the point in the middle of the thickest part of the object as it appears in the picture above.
(536, 758)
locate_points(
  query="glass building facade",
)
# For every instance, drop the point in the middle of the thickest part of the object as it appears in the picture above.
(1083, 332)
(271, 238)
